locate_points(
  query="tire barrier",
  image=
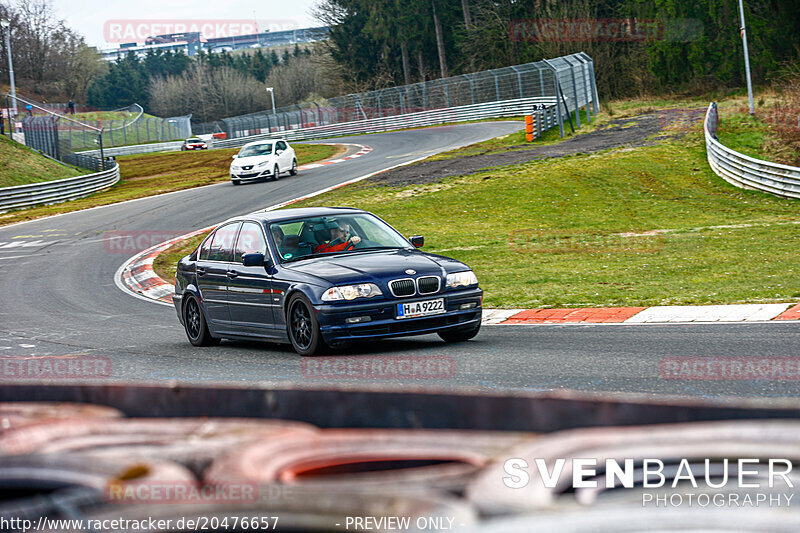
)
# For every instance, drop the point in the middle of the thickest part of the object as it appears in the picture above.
(362, 459)
(45, 485)
(694, 442)
(315, 479)
(14, 415)
(56, 191)
(745, 171)
(191, 442)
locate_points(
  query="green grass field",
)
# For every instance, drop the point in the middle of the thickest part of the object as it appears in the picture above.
(150, 174)
(645, 226)
(21, 165)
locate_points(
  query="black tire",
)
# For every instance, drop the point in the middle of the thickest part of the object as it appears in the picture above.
(293, 172)
(276, 173)
(459, 335)
(235, 182)
(302, 327)
(183, 148)
(194, 322)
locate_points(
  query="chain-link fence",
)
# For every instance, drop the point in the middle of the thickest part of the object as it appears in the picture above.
(569, 81)
(63, 135)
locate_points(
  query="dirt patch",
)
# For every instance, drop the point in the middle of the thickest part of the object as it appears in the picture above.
(635, 131)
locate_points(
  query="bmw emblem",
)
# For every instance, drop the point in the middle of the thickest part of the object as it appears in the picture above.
(411, 272)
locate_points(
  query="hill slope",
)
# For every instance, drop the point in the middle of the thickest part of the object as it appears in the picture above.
(20, 165)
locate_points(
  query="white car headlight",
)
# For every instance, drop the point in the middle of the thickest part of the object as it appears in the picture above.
(461, 279)
(351, 292)
(262, 164)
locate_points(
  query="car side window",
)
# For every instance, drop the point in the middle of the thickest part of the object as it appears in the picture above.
(204, 248)
(250, 241)
(222, 243)
(281, 145)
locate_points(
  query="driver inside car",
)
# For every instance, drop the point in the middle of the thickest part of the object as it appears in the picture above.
(340, 240)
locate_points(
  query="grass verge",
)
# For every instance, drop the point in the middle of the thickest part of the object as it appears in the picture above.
(625, 227)
(157, 173)
(21, 166)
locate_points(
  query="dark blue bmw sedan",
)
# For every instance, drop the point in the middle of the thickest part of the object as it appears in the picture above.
(318, 277)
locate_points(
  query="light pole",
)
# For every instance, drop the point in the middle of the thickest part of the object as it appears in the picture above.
(6, 25)
(271, 91)
(746, 59)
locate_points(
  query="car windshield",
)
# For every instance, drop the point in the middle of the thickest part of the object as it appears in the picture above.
(315, 236)
(194, 140)
(256, 149)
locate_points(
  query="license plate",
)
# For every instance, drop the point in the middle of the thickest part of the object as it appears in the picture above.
(424, 308)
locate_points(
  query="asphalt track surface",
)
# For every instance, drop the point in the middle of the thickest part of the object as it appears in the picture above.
(58, 298)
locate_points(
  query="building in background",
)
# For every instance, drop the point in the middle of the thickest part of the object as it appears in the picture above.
(192, 43)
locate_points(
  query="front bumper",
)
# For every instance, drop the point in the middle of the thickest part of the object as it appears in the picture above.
(249, 175)
(383, 321)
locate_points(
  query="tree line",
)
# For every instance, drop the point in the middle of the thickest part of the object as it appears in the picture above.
(49, 58)
(662, 46)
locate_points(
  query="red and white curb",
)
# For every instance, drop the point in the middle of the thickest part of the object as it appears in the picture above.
(662, 314)
(363, 150)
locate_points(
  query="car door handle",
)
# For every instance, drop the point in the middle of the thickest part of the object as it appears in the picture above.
(232, 273)
(201, 271)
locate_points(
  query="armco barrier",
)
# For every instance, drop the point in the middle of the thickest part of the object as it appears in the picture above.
(51, 192)
(745, 171)
(169, 146)
(507, 108)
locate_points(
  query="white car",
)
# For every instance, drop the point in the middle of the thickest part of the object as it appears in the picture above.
(265, 159)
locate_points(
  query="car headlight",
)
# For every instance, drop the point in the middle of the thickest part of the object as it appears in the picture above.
(262, 164)
(234, 168)
(351, 292)
(461, 279)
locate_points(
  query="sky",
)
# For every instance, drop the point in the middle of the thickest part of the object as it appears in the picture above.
(105, 23)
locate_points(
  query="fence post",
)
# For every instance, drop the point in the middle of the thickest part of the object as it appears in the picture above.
(556, 90)
(574, 92)
(102, 153)
(496, 85)
(595, 99)
(471, 87)
(519, 80)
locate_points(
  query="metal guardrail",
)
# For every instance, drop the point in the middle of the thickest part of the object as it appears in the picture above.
(508, 108)
(170, 146)
(56, 191)
(745, 171)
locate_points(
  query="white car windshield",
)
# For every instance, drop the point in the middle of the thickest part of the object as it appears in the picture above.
(256, 150)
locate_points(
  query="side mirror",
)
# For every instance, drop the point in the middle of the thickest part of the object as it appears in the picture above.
(417, 240)
(234, 156)
(278, 152)
(253, 260)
